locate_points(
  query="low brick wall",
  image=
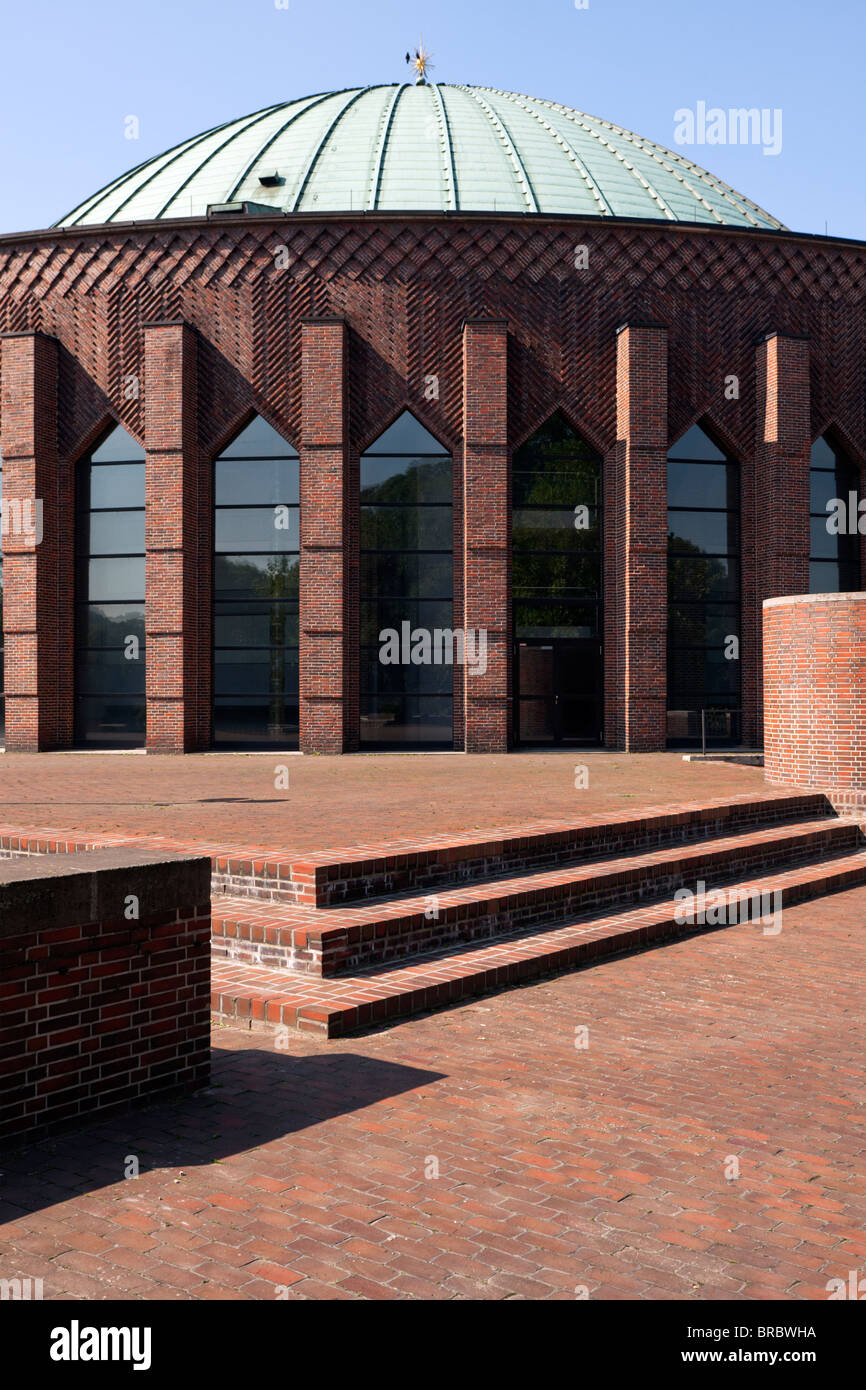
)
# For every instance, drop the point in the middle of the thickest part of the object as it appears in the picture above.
(815, 695)
(100, 1007)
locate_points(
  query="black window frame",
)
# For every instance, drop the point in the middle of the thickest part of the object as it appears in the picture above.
(688, 699)
(852, 563)
(368, 653)
(85, 731)
(289, 699)
(588, 600)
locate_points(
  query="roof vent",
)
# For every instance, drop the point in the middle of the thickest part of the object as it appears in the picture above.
(234, 209)
(274, 180)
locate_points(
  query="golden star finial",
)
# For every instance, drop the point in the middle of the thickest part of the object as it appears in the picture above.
(421, 63)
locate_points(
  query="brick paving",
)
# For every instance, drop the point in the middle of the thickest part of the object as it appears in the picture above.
(231, 800)
(301, 1173)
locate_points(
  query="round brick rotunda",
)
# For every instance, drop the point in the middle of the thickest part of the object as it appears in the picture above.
(421, 416)
(815, 694)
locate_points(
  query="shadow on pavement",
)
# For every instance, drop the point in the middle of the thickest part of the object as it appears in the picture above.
(256, 1095)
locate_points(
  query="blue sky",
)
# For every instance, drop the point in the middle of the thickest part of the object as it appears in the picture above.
(72, 73)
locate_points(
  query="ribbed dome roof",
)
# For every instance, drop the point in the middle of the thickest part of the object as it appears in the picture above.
(430, 148)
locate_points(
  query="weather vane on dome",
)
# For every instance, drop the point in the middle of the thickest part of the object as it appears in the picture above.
(421, 63)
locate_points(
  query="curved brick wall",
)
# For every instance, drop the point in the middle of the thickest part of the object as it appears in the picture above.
(329, 327)
(815, 694)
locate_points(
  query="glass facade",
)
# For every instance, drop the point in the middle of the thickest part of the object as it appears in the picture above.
(556, 567)
(556, 562)
(109, 595)
(834, 555)
(703, 589)
(406, 588)
(256, 568)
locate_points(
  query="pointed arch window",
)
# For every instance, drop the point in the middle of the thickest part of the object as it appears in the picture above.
(556, 534)
(556, 580)
(110, 649)
(256, 571)
(703, 590)
(406, 589)
(834, 552)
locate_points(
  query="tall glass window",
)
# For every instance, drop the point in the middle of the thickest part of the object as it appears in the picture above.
(109, 594)
(556, 569)
(556, 580)
(256, 568)
(703, 590)
(406, 589)
(834, 559)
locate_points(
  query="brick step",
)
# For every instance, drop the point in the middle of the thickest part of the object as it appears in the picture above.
(331, 941)
(339, 876)
(336, 1006)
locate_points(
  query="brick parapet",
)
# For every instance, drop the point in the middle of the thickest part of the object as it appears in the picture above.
(105, 963)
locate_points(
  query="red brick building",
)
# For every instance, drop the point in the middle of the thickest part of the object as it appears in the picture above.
(302, 412)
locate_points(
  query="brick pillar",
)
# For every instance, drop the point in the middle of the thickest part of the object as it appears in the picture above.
(324, 354)
(38, 514)
(486, 539)
(178, 561)
(642, 443)
(815, 695)
(612, 625)
(775, 522)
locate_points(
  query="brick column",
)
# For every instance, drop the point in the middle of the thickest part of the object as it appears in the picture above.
(486, 539)
(324, 361)
(178, 560)
(815, 695)
(775, 521)
(612, 609)
(642, 443)
(38, 515)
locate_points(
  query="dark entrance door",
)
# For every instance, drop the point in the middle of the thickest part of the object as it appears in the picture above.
(559, 684)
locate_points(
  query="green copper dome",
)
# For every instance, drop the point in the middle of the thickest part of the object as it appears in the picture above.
(434, 147)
